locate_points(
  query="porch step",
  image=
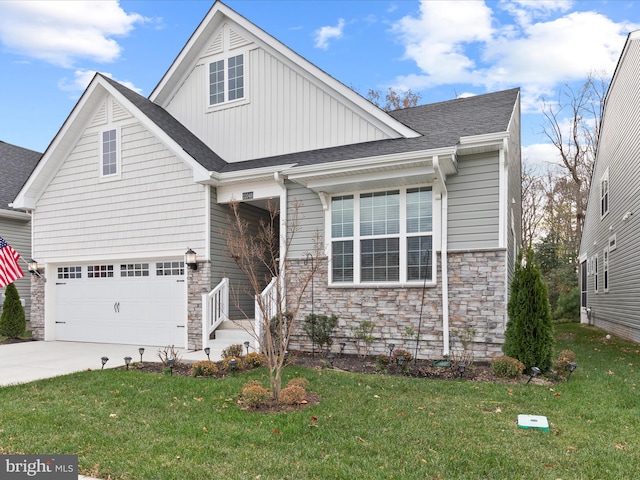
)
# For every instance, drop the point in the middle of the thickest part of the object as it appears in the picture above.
(236, 325)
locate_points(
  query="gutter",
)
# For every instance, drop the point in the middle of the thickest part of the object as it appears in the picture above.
(444, 256)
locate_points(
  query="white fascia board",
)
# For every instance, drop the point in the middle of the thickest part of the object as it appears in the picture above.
(251, 175)
(483, 140)
(188, 56)
(14, 215)
(264, 189)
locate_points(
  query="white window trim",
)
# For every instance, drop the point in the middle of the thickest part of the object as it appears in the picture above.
(605, 178)
(118, 174)
(605, 270)
(595, 273)
(402, 239)
(228, 103)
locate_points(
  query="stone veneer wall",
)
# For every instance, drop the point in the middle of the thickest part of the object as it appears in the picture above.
(37, 306)
(198, 282)
(476, 305)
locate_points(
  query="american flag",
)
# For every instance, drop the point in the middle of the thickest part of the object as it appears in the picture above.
(9, 269)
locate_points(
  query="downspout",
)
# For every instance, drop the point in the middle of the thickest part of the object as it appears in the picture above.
(440, 177)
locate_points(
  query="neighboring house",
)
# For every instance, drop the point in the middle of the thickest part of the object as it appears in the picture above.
(418, 210)
(16, 164)
(610, 248)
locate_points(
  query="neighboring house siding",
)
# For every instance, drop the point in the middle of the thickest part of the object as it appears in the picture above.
(473, 203)
(17, 233)
(310, 221)
(285, 113)
(514, 196)
(618, 309)
(154, 209)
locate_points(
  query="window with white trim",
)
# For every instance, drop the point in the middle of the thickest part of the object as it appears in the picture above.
(109, 157)
(69, 272)
(382, 237)
(134, 270)
(604, 194)
(169, 268)
(595, 273)
(605, 264)
(100, 271)
(227, 89)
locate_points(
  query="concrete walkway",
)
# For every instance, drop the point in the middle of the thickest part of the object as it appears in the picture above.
(29, 361)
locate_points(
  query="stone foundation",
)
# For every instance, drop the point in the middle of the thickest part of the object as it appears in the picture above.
(198, 282)
(477, 309)
(37, 306)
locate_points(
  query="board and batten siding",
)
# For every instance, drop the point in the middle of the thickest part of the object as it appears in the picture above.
(285, 113)
(155, 208)
(474, 203)
(17, 233)
(618, 309)
(310, 219)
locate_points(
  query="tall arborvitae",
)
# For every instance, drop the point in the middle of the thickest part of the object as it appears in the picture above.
(529, 333)
(12, 321)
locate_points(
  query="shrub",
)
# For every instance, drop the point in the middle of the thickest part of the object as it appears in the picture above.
(226, 367)
(382, 363)
(561, 364)
(255, 360)
(507, 367)
(363, 334)
(292, 395)
(568, 307)
(529, 332)
(400, 353)
(319, 328)
(12, 321)
(298, 381)
(232, 351)
(164, 354)
(204, 368)
(254, 394)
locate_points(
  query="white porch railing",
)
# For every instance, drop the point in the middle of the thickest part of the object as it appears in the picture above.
(269, 301)
(215, 309)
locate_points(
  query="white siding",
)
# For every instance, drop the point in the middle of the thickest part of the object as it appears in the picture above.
(618, 309)
(474, 203)
(154, 209)
(285, 113)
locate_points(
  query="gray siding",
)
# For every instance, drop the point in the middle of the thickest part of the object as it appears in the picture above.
(17, 233)
(310, 220)
(514, 195)
(618, 309)
(474, 203)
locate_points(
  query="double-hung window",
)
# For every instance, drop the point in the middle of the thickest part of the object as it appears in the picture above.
(226, 80)
(604, 194)
(382, 237)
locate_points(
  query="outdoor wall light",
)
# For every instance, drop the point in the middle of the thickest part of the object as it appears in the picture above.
(207, 351)
(535, 371)
(572, 367)
(190, 259)
(141, 351)
(342, 346)
(461, 368)
(32, 266)
(246, 345)
(104, 361)
(127, 361)
(171, 362)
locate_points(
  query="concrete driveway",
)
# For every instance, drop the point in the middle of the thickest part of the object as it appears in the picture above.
(29, 361)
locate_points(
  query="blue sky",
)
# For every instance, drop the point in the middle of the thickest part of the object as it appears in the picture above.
(440, 49)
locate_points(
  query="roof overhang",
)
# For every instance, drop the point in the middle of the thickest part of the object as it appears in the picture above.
(14, 215)
(490, 142)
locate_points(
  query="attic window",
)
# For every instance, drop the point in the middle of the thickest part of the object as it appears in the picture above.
(226, 88)
(109, 153)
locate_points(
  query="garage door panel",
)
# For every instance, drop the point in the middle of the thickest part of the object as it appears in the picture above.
(145, 310)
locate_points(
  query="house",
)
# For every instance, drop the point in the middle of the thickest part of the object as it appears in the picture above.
(16, 164)
(610, 246)
(418, 210)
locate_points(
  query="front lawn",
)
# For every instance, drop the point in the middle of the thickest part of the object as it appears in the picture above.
(127, 424)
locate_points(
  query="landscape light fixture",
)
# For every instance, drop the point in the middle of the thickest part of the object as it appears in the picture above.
(572, 367)
(171, 362)
(392, 346)
(104, 361)
(246, 345)
(342, 346)
(190, 259)
(141, 351)
(233, 364)
(331, 357)
(535, 371)
(127, 361)
(400, 361)
(461, 368)
(207, 351)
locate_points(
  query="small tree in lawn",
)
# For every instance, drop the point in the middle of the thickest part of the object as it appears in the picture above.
(262, 255)
(529, 333)
(12, 321)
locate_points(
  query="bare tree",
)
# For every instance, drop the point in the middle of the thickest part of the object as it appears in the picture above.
(572, 124)
(262, 255)
(532, 205)
(393, 100)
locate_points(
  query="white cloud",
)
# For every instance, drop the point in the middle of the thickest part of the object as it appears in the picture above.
(541, 154)
(62, 32)
(326, 33)
(82, 78)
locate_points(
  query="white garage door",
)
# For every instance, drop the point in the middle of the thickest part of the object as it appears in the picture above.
(141, 303)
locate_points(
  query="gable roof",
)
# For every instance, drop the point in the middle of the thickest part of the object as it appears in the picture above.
(16, 164)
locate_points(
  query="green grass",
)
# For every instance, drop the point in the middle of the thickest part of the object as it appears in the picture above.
(127, 425)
